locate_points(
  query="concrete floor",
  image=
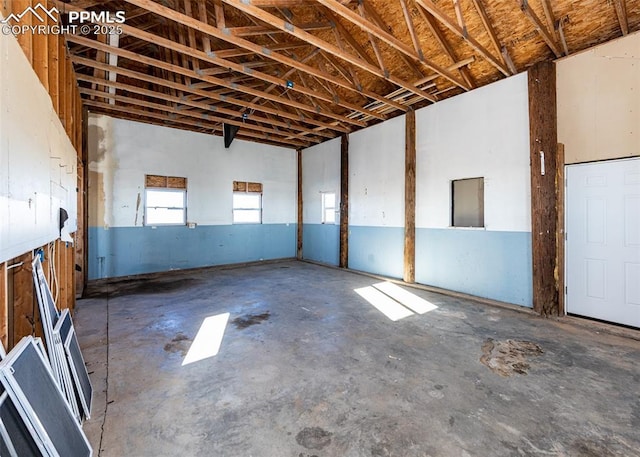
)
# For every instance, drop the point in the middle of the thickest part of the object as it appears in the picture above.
(308, 368)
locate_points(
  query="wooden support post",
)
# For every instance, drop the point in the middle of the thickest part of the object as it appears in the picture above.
(85, 190)
(560, 228)
(300, 206)
(410, 198)
(4, 307)
(344, 202)
(543, 159)
(23, 299)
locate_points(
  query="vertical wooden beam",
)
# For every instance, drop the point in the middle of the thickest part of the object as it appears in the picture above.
(300, 207)
(560, 228)
(410, 198)
(4, 307)
(23, 299)
(40, 53)
(25, 39)
(344, 201)
(85, 190)
(543, 159)
(53, 69)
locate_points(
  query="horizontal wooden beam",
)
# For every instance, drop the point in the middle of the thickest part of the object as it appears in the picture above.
(320, 43)
(193, 74)
(139, 115)
(181, 102)
(431, 7)
(210, 95)
(258, 49)
(388, 38)
(253, 30)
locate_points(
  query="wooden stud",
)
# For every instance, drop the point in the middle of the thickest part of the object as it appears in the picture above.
(4, 306)
(52, 66)
(344, 201)
(25, 39)
(543, 160)
(23, 298)
(300, 208)
(409, 274)
(40, 54)
(560, 192)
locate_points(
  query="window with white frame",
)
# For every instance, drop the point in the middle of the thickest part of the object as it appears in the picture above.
(247, 202)
(467, 202)
(165, 201)
(328, 207)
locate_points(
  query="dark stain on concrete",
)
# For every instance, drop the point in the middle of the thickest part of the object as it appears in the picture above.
(509, 356)
(250, 319)
(591, 448)
(139, 286)
(179, 343)
(313, 438)
(381, 450)
(635, 414)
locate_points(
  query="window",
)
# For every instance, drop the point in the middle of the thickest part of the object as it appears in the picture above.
(247, 202)
(467, 209)
(328, 208)
(165, 200)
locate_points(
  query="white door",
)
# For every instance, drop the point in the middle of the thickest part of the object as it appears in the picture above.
(603, 240)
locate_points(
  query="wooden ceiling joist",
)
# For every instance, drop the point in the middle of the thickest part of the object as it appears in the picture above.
(246, 126)
(252, 30)
(213, 95)
(412, 29)
(315, 41)
(388, 38)
(537, 23)
(621, 12)
(208, 108)
(211, 79)
(500, 49)
(431, 23)
(257, 49)
(455, 28)
(173, 121)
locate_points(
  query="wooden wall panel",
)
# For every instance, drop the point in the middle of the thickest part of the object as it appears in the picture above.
(24, 303)
(543, 159)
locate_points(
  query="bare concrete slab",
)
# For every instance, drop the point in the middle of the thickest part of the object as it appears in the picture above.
(307, 367)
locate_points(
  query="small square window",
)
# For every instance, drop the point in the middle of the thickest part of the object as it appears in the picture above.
(328, 208)
(247, 208)
(165, 206)
(467, 202)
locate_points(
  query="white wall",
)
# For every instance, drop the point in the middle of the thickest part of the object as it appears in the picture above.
(38, 172)
(598, 94)
(320, 173)
(483, 133)
(376, 175)
(122, 152)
